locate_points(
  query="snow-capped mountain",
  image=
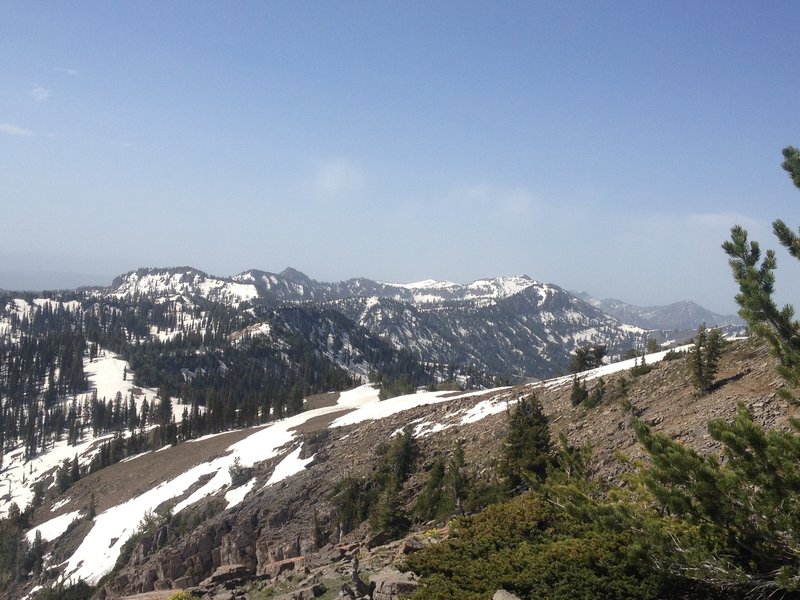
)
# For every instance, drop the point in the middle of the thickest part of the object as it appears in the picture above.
(292, 285)
(182, 281)
(505, 325)
(510, 326)
(532, 331)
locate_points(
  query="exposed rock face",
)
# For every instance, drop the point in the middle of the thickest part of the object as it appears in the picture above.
(306, 593)
(504, 595)
(391, 583)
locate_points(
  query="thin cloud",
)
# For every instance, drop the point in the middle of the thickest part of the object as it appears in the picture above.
(519, 201)
(337, 178)
(516, 201)
(67, 71)
(39, 93)
(724, 220)
(9, 129)
(713, 225)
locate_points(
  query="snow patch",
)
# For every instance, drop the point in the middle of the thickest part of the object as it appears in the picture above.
(428, 428)
(481, 410)
(60, 504)
(358, 397)
(236, 495)
(289, 466)
(616, 367)
(53, 528)
(381, 410)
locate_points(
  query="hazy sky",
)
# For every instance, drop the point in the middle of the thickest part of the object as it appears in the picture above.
(601, 146)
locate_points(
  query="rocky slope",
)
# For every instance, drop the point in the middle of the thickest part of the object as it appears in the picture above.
(270, 541)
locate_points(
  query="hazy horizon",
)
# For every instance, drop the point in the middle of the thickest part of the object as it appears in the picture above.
(606, 147)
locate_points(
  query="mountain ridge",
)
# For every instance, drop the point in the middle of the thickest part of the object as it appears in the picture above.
(681, 315)
(512, 326)
(305, 288)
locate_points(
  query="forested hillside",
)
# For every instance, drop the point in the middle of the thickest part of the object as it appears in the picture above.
(218, 368)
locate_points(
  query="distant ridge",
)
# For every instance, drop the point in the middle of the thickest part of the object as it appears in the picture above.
(678, 315)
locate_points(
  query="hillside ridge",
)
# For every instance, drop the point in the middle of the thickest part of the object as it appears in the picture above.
(257, 534)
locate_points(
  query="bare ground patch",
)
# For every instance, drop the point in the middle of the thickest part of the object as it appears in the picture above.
(321, 400)
(321, 422)
(125, 480)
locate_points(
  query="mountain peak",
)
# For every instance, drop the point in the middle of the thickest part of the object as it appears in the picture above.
(296, 276)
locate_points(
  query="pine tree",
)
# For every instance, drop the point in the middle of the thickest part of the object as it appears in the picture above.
(578, 394)
(75, 469)
(714, 352)
(733, 521)
(526, 452)
(133, 417)
(63, 478)
(145, 412)
(348, 498)
(704, 358)
(756, 280)
(457, 480)
(587, 357)
(91, 511)
(36, 553)
(389, 514)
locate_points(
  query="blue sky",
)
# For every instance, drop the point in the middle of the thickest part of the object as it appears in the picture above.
(602, 146)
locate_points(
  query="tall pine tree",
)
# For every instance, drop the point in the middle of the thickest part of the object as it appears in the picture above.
(756, 279)
(526, 453)
(704, 358)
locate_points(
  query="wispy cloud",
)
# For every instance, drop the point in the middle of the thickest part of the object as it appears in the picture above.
(516, 201)
(724, 221)
(337, 178)
(9, 129)
(68, 71)
(715, 226)
(39, 93)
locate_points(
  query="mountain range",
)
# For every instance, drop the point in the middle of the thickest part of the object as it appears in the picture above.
(513, 326)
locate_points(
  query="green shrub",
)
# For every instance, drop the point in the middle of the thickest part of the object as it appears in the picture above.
(150, 523)
(733, 521)
(181, 596)
(530, 547)
(578, 394)
(674, 355)
(190, 518)
(641, 368)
